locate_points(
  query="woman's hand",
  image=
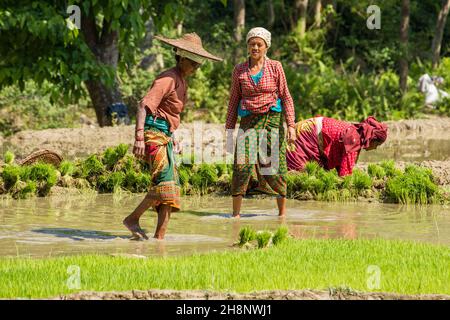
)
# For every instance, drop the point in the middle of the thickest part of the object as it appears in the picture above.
(291, 135)
(291, 139)
(139, 148)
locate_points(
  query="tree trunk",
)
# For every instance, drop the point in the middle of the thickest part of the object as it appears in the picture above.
(403, 61)
(301, 7)
(437, 40)
(105, 48)
(271, 14)
(239, 25)
(317, 13)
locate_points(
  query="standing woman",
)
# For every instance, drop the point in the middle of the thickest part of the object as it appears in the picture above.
(260, 97)
(157, 118)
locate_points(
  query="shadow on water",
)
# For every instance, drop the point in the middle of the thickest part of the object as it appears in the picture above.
(78, 234)
(226, 215)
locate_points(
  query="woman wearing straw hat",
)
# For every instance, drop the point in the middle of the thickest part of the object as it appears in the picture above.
(158, 116)
(260, 97)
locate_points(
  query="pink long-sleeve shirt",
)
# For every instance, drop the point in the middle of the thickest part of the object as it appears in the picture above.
(258, 98)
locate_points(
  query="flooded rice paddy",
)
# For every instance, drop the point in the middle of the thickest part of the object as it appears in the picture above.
(53, 226)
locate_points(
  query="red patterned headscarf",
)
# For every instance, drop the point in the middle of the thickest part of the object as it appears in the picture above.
(367, 131)
(370, 129)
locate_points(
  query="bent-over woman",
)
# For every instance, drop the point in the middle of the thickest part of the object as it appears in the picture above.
(333, 143)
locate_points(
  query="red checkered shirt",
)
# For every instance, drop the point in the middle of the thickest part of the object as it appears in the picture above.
(332, 131)
(259, 98)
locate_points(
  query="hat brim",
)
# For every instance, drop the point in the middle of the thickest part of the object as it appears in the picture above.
(188, 46)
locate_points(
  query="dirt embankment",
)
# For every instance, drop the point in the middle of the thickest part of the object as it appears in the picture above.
(71, 142)
(259, 295)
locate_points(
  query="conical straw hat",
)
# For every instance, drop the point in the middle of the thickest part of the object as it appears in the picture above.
(190, 42)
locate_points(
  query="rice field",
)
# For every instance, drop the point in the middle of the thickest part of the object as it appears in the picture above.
(362, 265)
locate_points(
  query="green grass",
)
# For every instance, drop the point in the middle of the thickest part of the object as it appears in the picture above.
(406, 268)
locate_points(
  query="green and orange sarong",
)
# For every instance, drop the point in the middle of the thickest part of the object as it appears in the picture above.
(165, 188)
(248, 176)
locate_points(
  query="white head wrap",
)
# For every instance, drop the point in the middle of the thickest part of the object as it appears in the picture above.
(260, 33)
(190, 55)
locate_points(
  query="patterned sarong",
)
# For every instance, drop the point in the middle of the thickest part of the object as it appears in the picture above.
(165, 187)
(256, 169)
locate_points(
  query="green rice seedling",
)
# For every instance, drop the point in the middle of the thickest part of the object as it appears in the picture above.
(263, 239)
(184, 175)
(121, 150)
(43, 172)
(311, 167)
(8, 157)
(222, 168)
(329, 195)
(129, 163)
(45, 175)
(111, 182)
(330, 179)
(246, 235)
(315, 185)
(280, 235)
(345, 194)
(361, 180)
(130, 180)
(376, 171)
(11, 175)
(415, 185)
(205, 176)
(92, 166)
(67, 168)
(136, 182)
(144, 181)
(295, 181)
(390, 169)
(109, 158)
(81, 183)
(29, 189)
(25, 173)
(347, 182)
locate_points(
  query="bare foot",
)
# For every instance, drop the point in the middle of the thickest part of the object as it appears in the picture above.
(135, 228)
(237, 216)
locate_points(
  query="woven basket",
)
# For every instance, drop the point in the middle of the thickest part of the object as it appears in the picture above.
(46, 156)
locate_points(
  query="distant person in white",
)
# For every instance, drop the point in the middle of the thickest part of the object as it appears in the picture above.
(428, 85)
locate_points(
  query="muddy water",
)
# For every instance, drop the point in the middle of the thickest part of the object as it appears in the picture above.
(92, 224)
(419, 149)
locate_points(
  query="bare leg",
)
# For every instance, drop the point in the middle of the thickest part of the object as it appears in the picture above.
(132, 221)
(164, 212)
(281, 203)
(237, 201)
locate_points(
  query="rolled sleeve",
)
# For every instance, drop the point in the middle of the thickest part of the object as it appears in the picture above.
(235, 97)
(160, 88)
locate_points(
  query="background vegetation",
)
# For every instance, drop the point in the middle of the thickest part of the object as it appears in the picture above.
(335, 65)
